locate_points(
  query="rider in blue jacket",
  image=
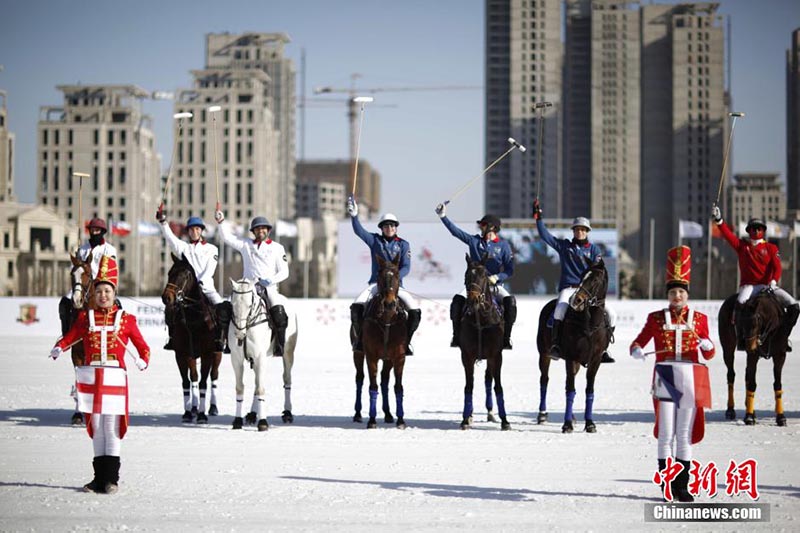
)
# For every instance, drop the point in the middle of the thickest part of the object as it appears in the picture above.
(388, 246)
(576, 256)
(499, 265)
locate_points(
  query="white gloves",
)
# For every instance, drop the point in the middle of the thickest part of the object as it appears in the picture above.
(493, 279)
(219, 217)
(773, 284)
(441, 210)
(55, 352)
(716, 214)
(141, 364)
(352, 207)
(706, 345)
(638, 353)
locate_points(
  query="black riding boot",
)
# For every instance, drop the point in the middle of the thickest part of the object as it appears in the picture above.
(281, 321)
(111, 476)
(169, 319)
(224, 312)
(555, 348)
(606, 358)
(509, 317)
(789, 321)
(356, 322)
(456, 310)
(680, 490)
(64, 312)
(96, 484)
(414, 317)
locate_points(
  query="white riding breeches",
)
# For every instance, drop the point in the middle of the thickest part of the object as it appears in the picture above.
(105, 438)
(372, 290)
(276, 298)
(675, 426)
(211, 294)
(563, 304)
(747, 291)
(499, 292)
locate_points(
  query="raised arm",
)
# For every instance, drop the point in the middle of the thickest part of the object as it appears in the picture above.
(546, 236)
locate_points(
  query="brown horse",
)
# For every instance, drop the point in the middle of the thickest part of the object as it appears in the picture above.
(193, 336)
(384, 337)
(585, 336)
(481, 337)
(759, 322)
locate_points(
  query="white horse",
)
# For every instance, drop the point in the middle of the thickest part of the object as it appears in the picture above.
(249, 338)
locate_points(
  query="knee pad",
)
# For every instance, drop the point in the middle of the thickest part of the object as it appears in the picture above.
(279, 316)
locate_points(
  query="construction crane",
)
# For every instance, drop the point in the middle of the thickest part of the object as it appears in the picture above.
(353, 91)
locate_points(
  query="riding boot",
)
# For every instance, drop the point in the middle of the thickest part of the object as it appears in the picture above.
(662, 466)
(555, 348)
(111, 474)
(280, 321)
(96, 484)
(356, 322)
(169, 345)
(789, 321)
(606, 358)
(169, 320)
(414, 317)
(224, 312)
(456, 310)
(509, 317)
(680, 490)
(64, 312)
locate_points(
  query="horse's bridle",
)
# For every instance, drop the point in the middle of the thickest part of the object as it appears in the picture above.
(253, 314)
(591, 300)
(178, 293)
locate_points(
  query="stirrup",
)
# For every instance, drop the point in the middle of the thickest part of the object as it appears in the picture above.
(168, 345)
(454, 342)
(606, 358)
(409, 350)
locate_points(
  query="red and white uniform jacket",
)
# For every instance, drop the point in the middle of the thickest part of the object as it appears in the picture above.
(759, 261)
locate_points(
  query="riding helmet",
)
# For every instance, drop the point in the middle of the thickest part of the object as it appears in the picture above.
(260, 221)
(97, 223)
(581, 222)
(756, 223)
(388, 218)
(195, 222)
(492, 222)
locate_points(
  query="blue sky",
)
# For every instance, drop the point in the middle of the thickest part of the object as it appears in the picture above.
(426, 145)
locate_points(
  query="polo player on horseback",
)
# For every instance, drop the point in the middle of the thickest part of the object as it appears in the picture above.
(576, 257)
(202, 256)
(386, 245)
(759, 267)
(90, 251)
(264, 262)
(499, 265)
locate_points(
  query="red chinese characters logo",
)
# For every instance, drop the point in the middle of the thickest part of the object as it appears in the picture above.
(739, 478)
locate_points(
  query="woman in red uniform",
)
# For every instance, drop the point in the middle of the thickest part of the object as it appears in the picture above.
(105, 332)
(680, 335)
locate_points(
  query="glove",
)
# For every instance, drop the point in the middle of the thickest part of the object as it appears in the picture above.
(219, 217)
(441, 210)
(537, 210)
(638, 353)
(141, 364)
(161, 215)
(716, 214)
(55, 352)
(493, 279)
(773, 284)
(351, 206)
(706, 345)
(264, 283)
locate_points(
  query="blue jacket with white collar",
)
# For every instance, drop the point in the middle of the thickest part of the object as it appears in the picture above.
(575, 258)
(500, 260)
(386, 249)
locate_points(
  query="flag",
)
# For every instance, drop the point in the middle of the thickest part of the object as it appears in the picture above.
(148, 229)
(684, 383)
(102, 390)
(689, 230)
(284, 228)
(120, 228)
(777, 231)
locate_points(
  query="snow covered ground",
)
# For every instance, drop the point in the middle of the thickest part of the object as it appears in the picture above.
(326, 473)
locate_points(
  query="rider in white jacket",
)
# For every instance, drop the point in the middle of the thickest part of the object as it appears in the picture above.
(264, 261)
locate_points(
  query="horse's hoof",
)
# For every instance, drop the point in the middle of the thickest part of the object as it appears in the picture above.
(213, 411)
(263, 425)
(542, 418)
(287, 417)
(465, 424)
(77, 419)
(590, 427)
(730, 414)
(202, 418)
(238, 423)
(505, 426)
(389, 419)
(750, 419)
(372, 424)
(401, 424)
(187, 417)
(358, 418)
(567, 427)
(781, 420)
(490, 417)
(250, 418)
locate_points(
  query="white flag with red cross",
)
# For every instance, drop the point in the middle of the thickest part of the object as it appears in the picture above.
(102, 390)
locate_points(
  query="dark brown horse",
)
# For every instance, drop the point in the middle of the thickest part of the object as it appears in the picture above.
(760, 324)
(193, 336)
(584, 337)
(384, 337)
(481, 338)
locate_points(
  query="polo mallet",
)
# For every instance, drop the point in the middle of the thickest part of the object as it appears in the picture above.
(179, 117)
(514, 144)
(540, 107)
(359, 100)
(213, 110)
(735, 115)
(80, 176)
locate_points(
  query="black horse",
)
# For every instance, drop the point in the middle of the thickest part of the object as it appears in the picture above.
(584, 337)
(481, 337)
(759, 323)
(384, 336)
(193, 326)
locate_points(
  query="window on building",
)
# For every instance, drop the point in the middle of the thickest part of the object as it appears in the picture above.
(56, 137)
(10, 270)
(69, 137)
(96, 140)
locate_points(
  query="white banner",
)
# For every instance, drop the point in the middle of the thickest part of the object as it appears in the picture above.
(688, 229)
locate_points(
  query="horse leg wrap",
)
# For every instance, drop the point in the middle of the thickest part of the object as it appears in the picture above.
(281, 321)
(398, 395)
(195, 393)
(467, 405)
(64, 312)
(359, 386)
(542, 398)
(568, 415)
(456, 310)
(509, 317)
(749, 402)
(779, 402)
(730, 396)
(589, 406)
(489, 402)
(373, 403)
(501, 405)
(356, 322)
(187, 400)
